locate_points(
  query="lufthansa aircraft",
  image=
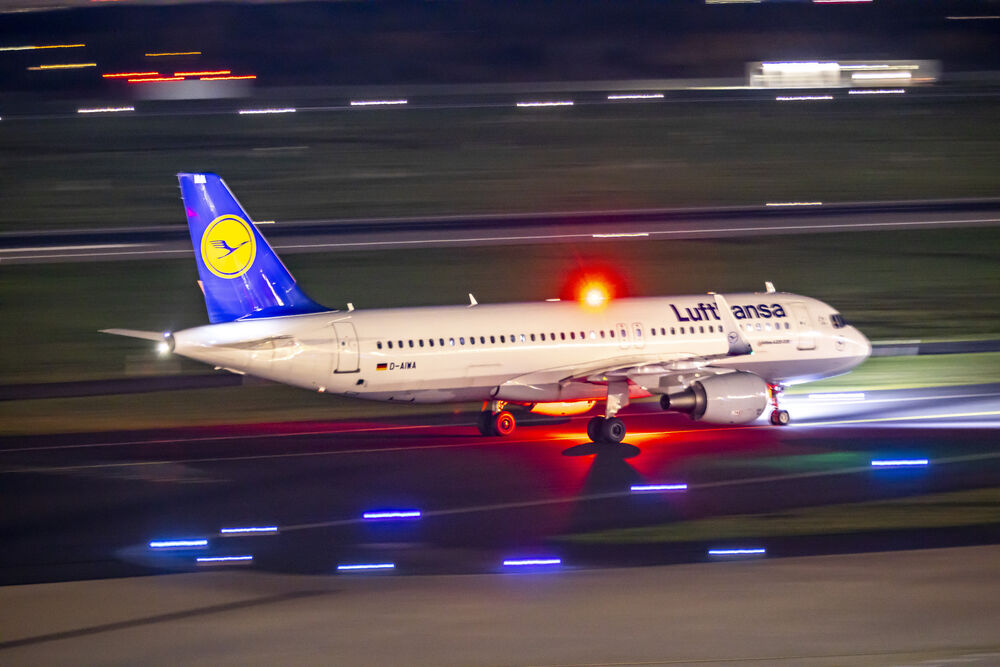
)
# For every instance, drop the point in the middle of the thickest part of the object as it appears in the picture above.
(718, 358)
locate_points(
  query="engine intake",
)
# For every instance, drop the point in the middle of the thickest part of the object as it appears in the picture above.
(732, 398)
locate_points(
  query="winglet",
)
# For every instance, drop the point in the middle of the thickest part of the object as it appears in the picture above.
(472, 300)
(769, 286)
(738, 344)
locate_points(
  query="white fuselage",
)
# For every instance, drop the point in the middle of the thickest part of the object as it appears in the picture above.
(525, 352)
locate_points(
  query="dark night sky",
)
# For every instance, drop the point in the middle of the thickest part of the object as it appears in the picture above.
(335, 43)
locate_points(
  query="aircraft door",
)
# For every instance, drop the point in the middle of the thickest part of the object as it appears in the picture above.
(807, 335)
(637, 338)
(621, 330)
(348, 356)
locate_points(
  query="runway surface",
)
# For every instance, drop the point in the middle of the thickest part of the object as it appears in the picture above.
(88, 505)
(340, 235)
(930, 608)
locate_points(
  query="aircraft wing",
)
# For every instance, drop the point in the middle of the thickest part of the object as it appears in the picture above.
(135, 333)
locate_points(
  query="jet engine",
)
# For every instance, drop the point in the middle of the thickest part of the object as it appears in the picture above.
(730, 398)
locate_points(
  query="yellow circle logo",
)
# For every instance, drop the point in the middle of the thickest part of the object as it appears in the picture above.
(228, 246)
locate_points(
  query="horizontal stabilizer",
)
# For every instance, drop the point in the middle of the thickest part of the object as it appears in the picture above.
(135, 333)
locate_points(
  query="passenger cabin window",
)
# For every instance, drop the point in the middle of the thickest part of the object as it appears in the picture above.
(451, 342)
(389, 344)
(379, 345)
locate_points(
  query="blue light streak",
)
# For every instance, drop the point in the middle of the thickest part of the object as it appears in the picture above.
(209, 560)
(736, 552)
(647, 488)
(249, 530)
(528, 562)
(899, 463)
(391, 514)
(177, 544)
(367, 566)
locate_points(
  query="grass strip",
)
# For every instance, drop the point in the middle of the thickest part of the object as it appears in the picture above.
(936, 510)
(911, 372)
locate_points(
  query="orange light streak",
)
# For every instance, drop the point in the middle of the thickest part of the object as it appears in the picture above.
(178, 53)
(208, 73)
(66, 66)
(159, 78)
(47, 46)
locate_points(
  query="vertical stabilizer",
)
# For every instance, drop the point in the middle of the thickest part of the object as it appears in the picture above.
(241, 276)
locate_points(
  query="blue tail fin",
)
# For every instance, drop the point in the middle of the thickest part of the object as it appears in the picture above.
(241, 276)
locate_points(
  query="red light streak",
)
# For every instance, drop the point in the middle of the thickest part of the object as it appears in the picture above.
(206, 73)
(159, 78)
(129, 75)
(227, 78)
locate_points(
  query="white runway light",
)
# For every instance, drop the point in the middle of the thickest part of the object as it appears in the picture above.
(377, 103)
(250, 530)
(802, 98)
(391, 514)
(737, 552)
(655, 488)
(899, 463)
(366, 566)
(532, 562)
(556, 103)
(178, 544)
(250, 112)
(224, 560)
(637, 96)
(105, 109)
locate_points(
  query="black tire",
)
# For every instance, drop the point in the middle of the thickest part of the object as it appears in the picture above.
(594, 429)
(613, 431)
(503, 423)
(784, 418)
(484, 422)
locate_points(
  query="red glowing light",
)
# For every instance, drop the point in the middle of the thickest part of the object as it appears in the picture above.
(129, 75)
(211, 73)
(593, 286)
(227, 78)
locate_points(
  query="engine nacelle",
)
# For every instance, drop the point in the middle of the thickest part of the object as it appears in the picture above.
(731, 398)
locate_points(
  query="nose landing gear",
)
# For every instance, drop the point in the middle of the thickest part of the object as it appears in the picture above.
(779, 417)
(610, 429)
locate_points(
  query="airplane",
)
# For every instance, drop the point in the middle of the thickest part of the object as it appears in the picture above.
(719, 358)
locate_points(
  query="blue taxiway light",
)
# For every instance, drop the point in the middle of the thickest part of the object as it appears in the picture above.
(391, 514)
(367, 566)
(899, 463)
(249, 530)
(177, 544)
(528, 562)
(647, 488)
(210, 560)
(736, 552)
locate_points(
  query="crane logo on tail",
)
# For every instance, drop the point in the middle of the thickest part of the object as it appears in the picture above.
(228, 246)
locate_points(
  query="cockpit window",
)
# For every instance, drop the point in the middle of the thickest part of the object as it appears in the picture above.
(838, 321)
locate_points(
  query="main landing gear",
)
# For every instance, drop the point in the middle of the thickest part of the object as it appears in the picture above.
(495, 420)
(779, 417)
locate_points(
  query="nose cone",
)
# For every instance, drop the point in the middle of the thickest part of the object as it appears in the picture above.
(859, 346)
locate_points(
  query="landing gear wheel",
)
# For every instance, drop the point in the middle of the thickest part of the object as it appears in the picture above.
(780, 418)
(503, 423)
(594, 429)
(484, 422)
(613, 431)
